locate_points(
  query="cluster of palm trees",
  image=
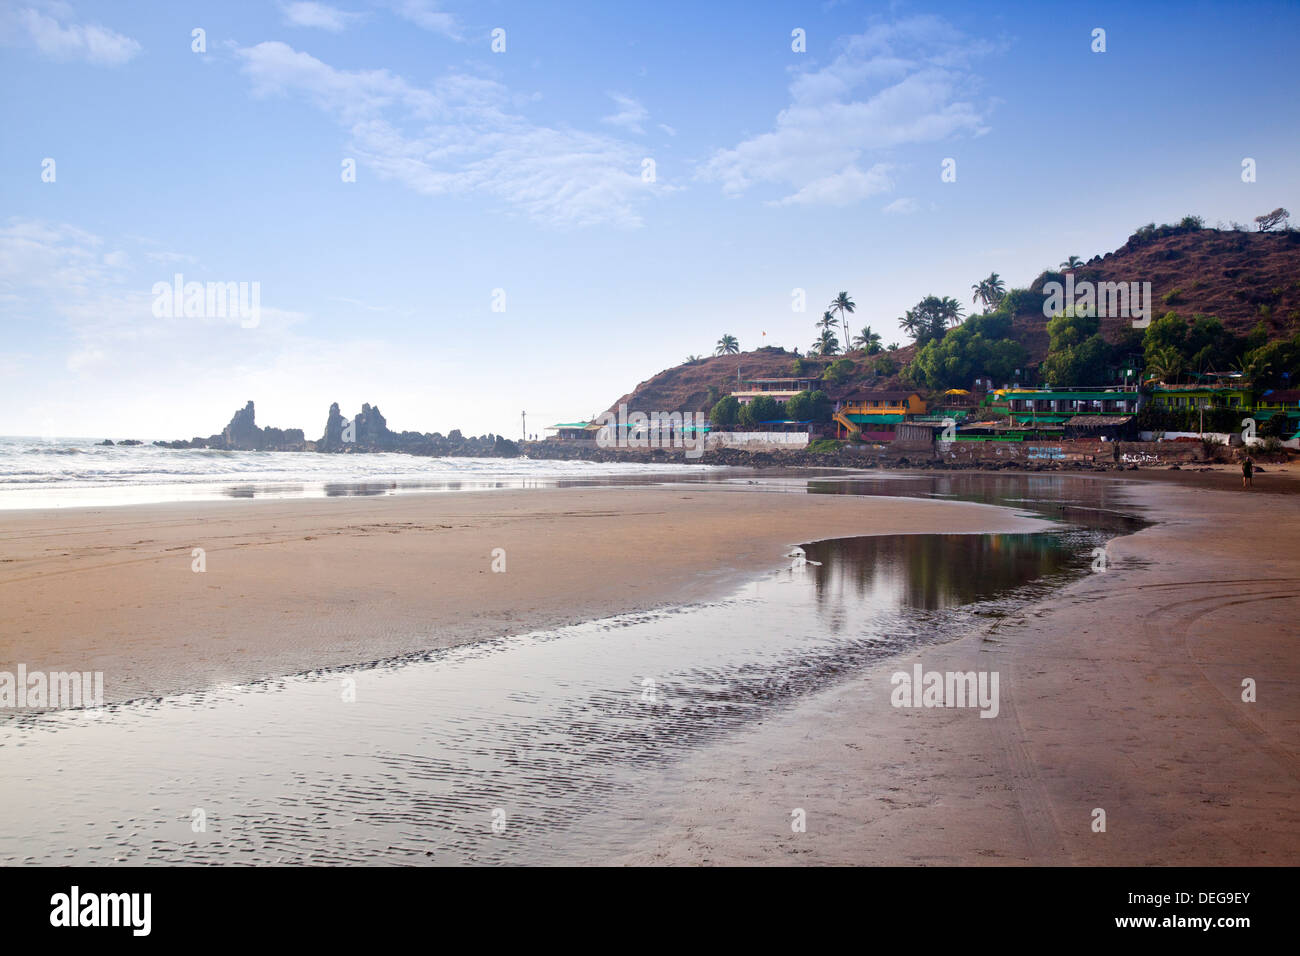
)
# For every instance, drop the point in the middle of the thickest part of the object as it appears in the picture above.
(828, 343)
(931, 317)
(990, 291)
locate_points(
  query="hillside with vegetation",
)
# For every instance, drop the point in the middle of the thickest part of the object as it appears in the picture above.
(1223, 300)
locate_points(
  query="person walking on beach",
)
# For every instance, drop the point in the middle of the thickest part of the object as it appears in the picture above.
(1247, 473)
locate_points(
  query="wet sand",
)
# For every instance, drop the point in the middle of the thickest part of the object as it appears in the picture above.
(1120, 692)
(292, 586)
(1123, 692)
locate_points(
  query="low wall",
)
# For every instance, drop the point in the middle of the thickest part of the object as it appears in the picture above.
(757, 439)
(1219, 438)
(1158, 452)
(958, 452)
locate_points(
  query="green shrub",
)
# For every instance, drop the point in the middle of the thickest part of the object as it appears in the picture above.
(825, 445)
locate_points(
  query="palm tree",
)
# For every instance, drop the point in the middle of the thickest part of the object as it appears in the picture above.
(912, 323)
(827, 321)
(1165, 364)
(826, 344)
(990, 291)
(845, 306)
(692, 359)
(868, 340)
(892, 347)
(1070, 264)
(727, 345)
(951, 310)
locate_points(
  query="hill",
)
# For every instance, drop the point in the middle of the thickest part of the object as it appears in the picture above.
(1242, 277)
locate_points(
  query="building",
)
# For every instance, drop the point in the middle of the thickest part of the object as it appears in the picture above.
(875, 413)
(574, 431)
(1183, 397)
(780, 389)
(1058, 406)
(1102, 427)
(1284, 401)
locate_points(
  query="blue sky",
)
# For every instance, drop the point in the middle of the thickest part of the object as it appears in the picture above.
(522, 171)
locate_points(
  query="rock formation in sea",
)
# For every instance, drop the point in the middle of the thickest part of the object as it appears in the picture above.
(367, 431)
(242, 434)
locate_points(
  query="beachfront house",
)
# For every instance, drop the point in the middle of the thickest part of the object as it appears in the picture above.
(574, 431)
(778, 389)
(1057, 406)
(1182, 397)
(1280, 401)
(875, 413)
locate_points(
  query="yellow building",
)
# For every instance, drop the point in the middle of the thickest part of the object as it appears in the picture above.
(876, 413)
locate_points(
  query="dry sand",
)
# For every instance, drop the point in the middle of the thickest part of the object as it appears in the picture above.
(1121, 693)
(296, 585)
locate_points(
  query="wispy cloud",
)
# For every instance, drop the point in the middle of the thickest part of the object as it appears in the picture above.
(903, 206)
(462, 138)
(425, 15)
(896, 84)
(319, 16)
(51, 29)
(630, 115)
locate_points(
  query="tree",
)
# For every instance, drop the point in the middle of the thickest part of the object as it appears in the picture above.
(1164, 363)
(868, 340)
(892, 347)
(840, 371)
(727, 345)
(764, 408)
(884, 365)
(827, 322)
(1070, 264)
(931, 318)
(812, 406)
(826, 344)
(1269, 220)
(952, 310)
(692, 359)
(845, 306)
(726, 412)
(990, 291)
(1076, 353)
(980, 347)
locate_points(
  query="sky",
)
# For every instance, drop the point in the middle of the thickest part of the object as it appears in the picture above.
(553, 202)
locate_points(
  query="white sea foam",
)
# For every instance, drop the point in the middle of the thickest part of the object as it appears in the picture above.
(58, 472)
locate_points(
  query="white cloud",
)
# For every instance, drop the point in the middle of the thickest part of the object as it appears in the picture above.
(630, 115)
(55, 36)
(894, 85)
(461, 138)
(320, 16)
(426, 15)
(902, 206)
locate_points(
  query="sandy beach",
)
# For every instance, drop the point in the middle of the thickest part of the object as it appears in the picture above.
(1121, 692)
(297, 585)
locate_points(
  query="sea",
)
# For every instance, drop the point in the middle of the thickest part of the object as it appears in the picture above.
(80, 472)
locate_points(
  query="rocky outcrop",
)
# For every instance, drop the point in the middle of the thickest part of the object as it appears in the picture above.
(242, 434)
(368, 431)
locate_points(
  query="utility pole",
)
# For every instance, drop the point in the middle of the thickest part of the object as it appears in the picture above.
(523, 420)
